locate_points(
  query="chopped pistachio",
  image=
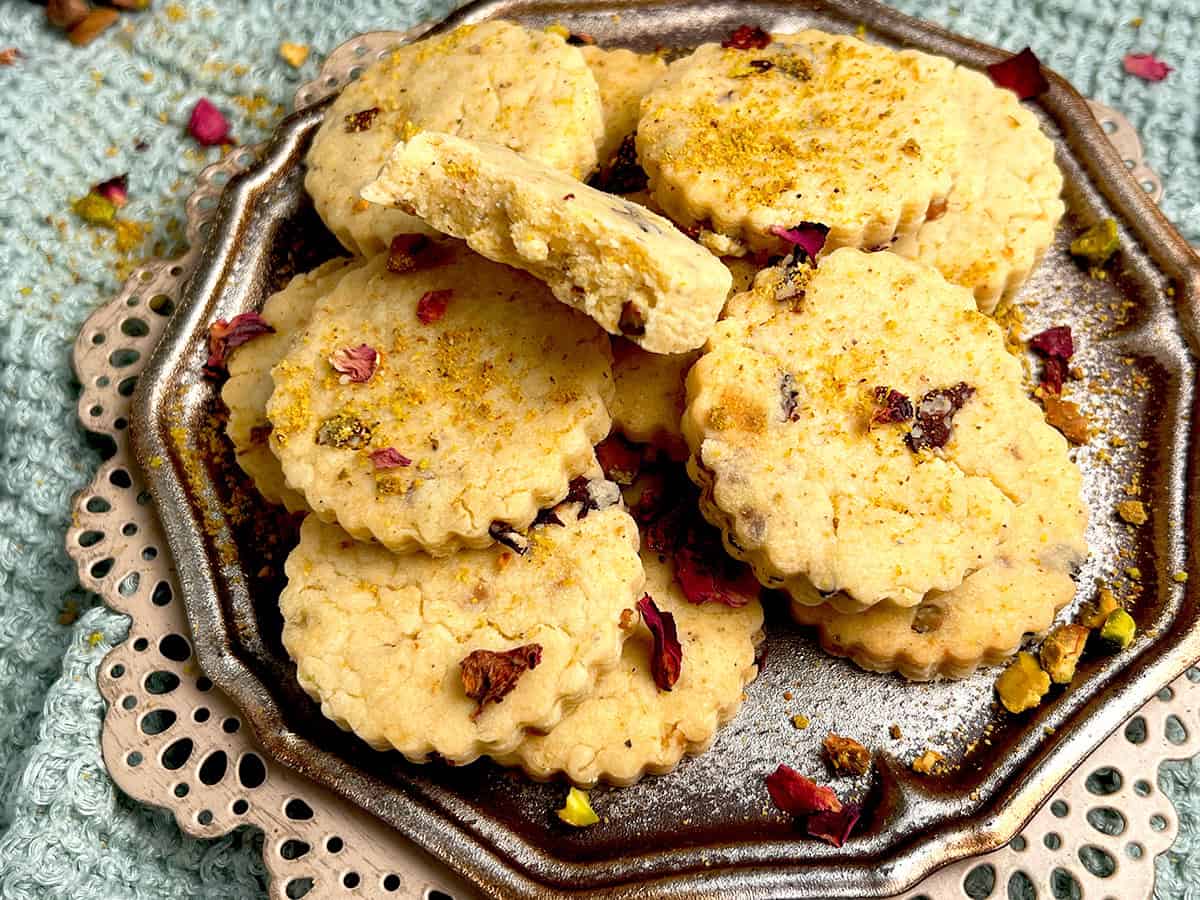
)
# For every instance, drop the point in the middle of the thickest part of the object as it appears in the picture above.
(1023, 684)
(1061, 651)
(800, 721)
(293, 54)
(1180, 577)
(1132, 511)
(96, 210)
(1118, 630)
(1098, 243)
(577, 810)
(846, 756)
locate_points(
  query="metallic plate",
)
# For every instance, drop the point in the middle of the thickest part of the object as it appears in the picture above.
(708, 828)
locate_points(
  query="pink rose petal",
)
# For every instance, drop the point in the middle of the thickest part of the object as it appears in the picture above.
(800, 796)
(808, 236)
(389, 458)
(356, 364)
(115, 190)
(207, 125)
(224, 336)
(1147, 66)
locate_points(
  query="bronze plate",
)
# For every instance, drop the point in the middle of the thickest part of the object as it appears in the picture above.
(708, 828)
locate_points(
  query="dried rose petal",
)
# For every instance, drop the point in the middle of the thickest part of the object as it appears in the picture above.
(432, 305)
(10, 55)
(389, 458)
(934, 416)
(833, 827)
(892, 407)
(1147, 66)
(207, 125)
(224, 336)
(1054, 342)
(361, 120)
(808, 236)
(580, 39)
(706, 574)
(115, 190)
(747, 38)
(1054, 373)
(356, 364)
(800, 796)
(619, 459)
(789, 397)
(489, 676)
(666, 657)
(1021, 74)
(623, 174)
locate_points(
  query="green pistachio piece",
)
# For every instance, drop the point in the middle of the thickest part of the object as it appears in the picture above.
(577, 811)
(1118, 630)
(1098, 243)
(96, 210)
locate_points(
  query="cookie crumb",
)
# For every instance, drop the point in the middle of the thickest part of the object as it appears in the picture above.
(1132, 511)
(846, 756)
(894, 731)
(929, 763)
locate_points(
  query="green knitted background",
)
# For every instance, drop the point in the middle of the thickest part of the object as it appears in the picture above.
(70, 117)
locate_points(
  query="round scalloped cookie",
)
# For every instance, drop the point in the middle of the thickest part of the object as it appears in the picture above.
(624, 78)
(820, 501)
(812, 128)
(628, 728)
(649, 393)
(249, 385)
(1001, 214)
(378, 637)
(491, 395)
(984, 620)
(528, 90)
(648, 396)
(631, 270)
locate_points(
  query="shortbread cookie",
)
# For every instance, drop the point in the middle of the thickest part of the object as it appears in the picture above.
(631, 270)
(649, 396)
(984, 620)
(627, 727)
(624, 78)
(812, 128)
(1000, 216)
(379, 639)
(249, 385)
(800, 422)
(481, 402)
(528, 90)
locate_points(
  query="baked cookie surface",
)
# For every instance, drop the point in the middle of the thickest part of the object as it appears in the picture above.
(528, 90)
(479, 397)
(649, 397)
(984, 620)
(811, 482)
(1001, 214)
(811, 128)
(629, 269)
(249, 386)
(627, 727)
(379, 639)
(624, 78)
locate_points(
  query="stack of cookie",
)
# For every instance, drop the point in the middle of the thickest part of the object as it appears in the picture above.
(471, 579)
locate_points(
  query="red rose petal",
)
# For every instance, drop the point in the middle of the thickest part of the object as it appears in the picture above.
(1021, 74)
(833, 827)
(115, 190)
(932, 425)
(432, 305)
(808, 236)
(207, 125)
(389, 458)
(224, 336)
(356, 364)
(706, 574)
(1054, 342)
(1054, 373)
(10, 55)
(800, 796)
(488, 676)
(1147, 66)
(747, 38)
(619, 459)
(892, 407)
(666, 658)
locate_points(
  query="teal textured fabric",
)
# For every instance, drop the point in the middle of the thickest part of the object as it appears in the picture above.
(70, 117)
